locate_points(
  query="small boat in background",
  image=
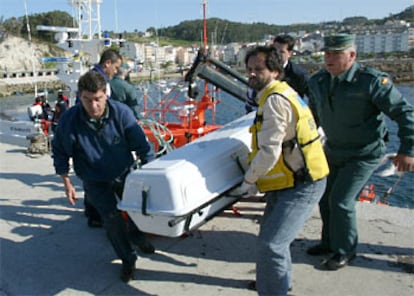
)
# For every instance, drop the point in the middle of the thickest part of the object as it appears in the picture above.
(375, 194)
(369, 195)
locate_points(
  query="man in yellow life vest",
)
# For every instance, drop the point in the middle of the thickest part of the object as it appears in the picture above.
(287, 163)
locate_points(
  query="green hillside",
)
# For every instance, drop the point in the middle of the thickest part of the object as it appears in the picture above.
(188, 32)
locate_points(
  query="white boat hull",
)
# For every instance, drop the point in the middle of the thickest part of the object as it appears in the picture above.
(185, 188)
(17, 132)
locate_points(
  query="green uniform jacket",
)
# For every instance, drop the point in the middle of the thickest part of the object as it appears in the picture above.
(353, 118)
(124, 92)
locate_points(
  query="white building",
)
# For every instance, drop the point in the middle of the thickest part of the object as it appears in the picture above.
(392, 37)
(230, 53)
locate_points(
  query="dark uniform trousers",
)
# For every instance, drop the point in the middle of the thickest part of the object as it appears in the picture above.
(121, 233)
(338, 204)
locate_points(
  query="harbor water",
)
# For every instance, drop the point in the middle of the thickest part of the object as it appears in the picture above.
(394, 190)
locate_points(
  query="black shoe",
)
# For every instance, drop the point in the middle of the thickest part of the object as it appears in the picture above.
(252, 286)
(318, 250)
(146, 247)
(338, 261)
(127, 272)
(94, 223)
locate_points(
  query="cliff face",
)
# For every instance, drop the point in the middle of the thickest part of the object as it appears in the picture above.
(17, 54)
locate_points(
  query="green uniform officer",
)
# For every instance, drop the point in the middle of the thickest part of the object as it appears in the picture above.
(123, 91)
(349, 102)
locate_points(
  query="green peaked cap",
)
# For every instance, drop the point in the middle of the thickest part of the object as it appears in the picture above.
(338, 42)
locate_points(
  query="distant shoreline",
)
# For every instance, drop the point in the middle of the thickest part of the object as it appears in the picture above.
(401, 71)
(26, 85)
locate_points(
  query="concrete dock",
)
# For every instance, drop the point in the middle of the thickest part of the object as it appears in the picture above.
(47, 248)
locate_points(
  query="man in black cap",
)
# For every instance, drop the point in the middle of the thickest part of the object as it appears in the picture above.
(349, 102)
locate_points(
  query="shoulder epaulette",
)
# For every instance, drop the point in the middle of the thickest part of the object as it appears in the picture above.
(384, 77)
(371, 71)
(320, 74)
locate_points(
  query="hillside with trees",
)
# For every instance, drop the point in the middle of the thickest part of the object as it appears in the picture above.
(223, 31)
(18, 26)
(220, 31)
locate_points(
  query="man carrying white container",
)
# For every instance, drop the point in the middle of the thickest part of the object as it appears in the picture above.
(287, 163)
(99, 135)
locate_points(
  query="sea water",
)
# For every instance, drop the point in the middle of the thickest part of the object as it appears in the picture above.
(394, 189)
(401, 188)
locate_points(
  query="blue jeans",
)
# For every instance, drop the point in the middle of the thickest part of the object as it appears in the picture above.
(102, 198)
(285, 214)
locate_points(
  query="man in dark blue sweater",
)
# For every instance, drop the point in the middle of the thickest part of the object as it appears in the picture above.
(108, 66)
(100, 135)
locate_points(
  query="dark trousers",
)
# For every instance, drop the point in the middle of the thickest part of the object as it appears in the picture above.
(337, 206)
(90, 210)
(121, 233)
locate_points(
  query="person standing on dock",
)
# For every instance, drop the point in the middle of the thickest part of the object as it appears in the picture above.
(62, 97)
(123, 91)
(287, 164)
(60, 107)
(349, 102)
(295, 75)
(99, 135)
(108, 66)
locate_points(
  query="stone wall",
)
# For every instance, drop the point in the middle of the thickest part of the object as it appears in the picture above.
(399, 70)
(8, 89)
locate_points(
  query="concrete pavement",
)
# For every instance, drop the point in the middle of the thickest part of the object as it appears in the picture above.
(47, 249)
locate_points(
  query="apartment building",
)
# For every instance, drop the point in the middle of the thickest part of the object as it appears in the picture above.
(392, 37)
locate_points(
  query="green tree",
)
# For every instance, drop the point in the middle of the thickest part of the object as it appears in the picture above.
(52, 18)
(356, 20)
(13, 26)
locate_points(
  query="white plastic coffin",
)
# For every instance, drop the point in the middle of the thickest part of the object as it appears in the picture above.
(183, 189)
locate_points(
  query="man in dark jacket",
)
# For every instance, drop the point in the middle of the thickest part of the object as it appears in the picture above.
(295, 75)
(123, 91)
(108, 66)
(100, 135)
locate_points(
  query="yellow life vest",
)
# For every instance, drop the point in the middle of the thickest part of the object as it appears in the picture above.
(307, 141)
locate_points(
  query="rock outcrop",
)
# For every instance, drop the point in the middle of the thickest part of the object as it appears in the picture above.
(17, 54)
